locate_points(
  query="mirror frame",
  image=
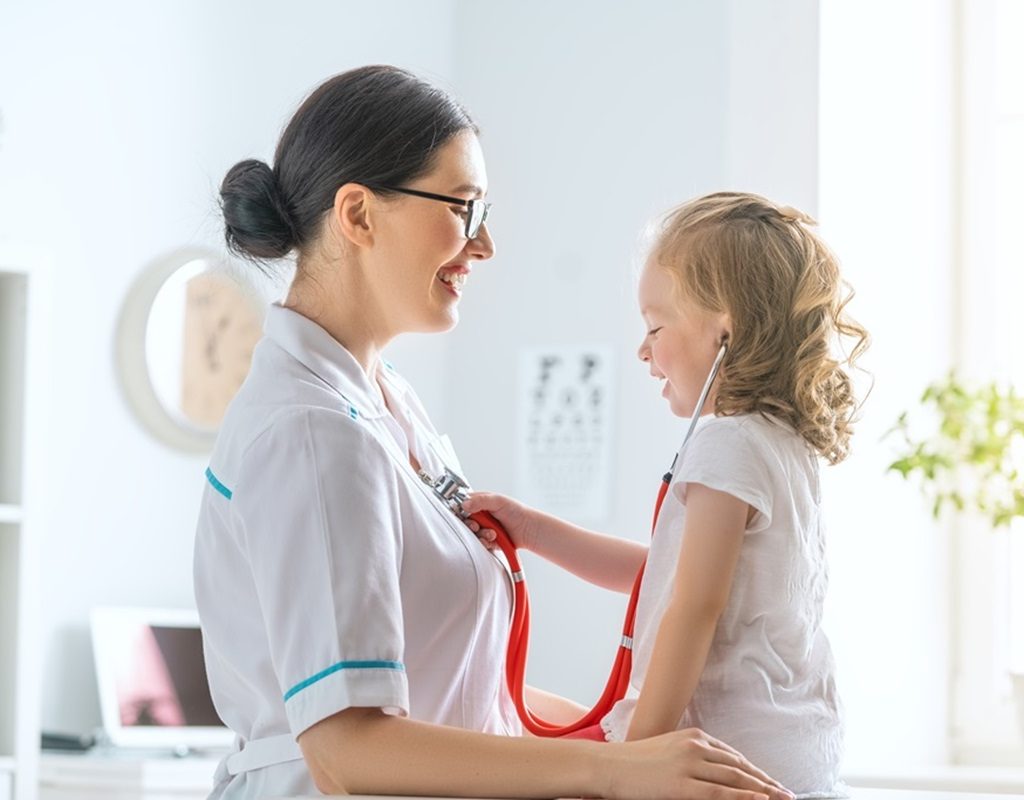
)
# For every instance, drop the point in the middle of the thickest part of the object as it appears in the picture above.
(132, 366)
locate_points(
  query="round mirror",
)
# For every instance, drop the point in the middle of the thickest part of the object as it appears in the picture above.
(185, 342)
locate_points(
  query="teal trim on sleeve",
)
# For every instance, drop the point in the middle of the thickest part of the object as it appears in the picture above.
(353, 412)
(395, 665)
(216, 484)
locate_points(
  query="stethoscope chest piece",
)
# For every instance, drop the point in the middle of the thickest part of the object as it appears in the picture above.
(450, 488)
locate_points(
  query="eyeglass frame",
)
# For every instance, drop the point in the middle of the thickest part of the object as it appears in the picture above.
(444, 198)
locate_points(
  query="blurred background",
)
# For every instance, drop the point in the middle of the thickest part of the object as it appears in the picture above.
(897, 124)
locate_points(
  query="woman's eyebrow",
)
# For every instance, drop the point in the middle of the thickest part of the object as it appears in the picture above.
(470, 188)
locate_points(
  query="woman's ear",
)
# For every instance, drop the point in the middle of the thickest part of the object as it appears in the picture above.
(352, 213)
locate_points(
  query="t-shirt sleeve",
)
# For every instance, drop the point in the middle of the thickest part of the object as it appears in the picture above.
(317, 505)
(723, 456)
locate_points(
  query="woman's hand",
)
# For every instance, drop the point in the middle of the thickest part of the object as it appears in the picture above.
(518, 520)
(687, 764)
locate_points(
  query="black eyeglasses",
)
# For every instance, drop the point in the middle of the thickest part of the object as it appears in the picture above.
(476, 210)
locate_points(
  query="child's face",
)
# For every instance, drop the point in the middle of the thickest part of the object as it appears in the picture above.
(681, 341)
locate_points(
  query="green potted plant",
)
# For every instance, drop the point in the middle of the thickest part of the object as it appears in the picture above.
(965, 447)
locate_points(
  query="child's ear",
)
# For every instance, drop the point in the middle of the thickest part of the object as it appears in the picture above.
(725, 330)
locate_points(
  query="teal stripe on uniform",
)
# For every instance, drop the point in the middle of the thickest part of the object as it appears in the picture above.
(396, 665)
(216, 484)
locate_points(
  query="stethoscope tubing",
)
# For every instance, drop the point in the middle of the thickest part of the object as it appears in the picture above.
(519, 633)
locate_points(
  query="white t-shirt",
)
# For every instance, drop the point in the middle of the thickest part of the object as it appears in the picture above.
(327, 574)
(767, 687)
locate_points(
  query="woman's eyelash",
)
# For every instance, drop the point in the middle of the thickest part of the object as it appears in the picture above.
(654, 331)
(460, 210)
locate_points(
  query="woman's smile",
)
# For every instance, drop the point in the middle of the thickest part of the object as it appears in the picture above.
(454, 278)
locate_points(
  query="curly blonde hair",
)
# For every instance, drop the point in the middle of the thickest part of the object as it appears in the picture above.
(760, 263)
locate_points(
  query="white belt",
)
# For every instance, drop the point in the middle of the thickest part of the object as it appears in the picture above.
(265, 752)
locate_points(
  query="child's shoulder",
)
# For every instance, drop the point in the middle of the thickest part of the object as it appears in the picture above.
(745, 424)
(746, 432)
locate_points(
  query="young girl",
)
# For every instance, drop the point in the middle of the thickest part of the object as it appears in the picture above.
(728, 631)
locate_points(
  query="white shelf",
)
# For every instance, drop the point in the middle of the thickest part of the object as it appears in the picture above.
(11, 514)
(24, 371)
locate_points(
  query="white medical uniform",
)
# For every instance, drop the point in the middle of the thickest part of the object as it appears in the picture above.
(327, 573)
(768, 686)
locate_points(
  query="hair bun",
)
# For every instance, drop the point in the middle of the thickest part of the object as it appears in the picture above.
(257, 220)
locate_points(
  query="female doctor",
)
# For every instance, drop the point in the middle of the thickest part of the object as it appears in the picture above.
(354, 628)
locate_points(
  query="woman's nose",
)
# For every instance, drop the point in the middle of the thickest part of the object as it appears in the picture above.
(644, 352)
(481, 246)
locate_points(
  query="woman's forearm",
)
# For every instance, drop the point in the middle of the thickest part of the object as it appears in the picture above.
(603, 560)
(364, 751)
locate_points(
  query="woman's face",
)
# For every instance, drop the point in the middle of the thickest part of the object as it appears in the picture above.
(681, 341)
(422, 259)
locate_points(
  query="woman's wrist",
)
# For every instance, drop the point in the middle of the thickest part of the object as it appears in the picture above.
(592, 775)
(607, 768)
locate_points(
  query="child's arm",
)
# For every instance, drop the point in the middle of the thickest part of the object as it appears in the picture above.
(606, 561)
(715, 524)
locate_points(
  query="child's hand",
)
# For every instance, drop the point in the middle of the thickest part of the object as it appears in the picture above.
(517, 519)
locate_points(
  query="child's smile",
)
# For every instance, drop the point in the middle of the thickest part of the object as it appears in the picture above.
(681, 341)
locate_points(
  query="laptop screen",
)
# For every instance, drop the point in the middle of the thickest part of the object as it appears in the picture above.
(152, 679)
(162, 679)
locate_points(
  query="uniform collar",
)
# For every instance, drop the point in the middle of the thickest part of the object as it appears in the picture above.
(325, 357)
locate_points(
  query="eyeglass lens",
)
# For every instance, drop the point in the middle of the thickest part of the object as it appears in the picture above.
(477, 216)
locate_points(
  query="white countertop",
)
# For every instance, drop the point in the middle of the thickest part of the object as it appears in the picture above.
(855, 794)
(122, 770)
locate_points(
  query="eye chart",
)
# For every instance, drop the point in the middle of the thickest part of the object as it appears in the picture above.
(565, 438)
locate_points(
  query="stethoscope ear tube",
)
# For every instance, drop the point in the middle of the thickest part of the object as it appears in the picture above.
(704, 392)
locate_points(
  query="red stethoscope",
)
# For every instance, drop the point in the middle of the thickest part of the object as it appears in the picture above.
(453, 490)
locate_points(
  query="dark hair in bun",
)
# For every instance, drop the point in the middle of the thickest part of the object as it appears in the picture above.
(376, 125)
(257, 223)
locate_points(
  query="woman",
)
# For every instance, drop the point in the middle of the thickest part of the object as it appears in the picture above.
(354, 628)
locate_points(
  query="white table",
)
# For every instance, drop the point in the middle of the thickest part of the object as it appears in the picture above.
(127, 775)
(909, 794)
(855, 794)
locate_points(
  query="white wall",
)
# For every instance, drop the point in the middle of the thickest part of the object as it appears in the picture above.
(120, 119)
(886, 208)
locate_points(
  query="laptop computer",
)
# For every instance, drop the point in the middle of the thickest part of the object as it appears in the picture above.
(152, 681)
